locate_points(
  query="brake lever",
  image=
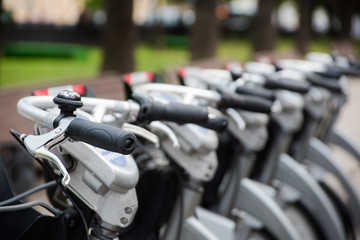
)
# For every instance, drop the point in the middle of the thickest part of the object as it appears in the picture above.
(276, 107)
(159, 126)
(240, 122)
(44, 153)
(142, 132)
(39, 146)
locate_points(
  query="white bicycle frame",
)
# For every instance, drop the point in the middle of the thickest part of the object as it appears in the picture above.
(94, 170)
(306, 187)
(270, 214)
(100, 178)
(320, 154)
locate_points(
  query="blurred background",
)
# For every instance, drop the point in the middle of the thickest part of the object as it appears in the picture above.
(53, 42)
(50, 41)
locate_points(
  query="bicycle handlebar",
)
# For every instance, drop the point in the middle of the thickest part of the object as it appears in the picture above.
(207, 95)
(216, 123)
(260, 92)
(97, 134)
(250, 103)
(221, 100)
(301, 65)
(32, 108)
(328, 83)
(101, 135)
(178, 113)
(287, 84)
(174, 112)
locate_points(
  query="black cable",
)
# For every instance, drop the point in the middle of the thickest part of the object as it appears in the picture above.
(58, 180)
(27, 193)
(23, 206)
(65, 190)
(181, 203)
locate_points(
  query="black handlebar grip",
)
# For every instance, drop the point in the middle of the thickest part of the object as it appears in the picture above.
(103, 136)
(259, 92)
(352, 71)
(250, 103)
(218, 124)
(328, 83)
(178, 113)
(287, 84)
(333, 72)
(173, 112)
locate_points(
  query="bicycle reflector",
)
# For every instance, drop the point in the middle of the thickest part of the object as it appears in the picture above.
(53, 91)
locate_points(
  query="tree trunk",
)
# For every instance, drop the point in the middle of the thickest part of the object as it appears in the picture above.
(304, 33)
(347, 9)
(205, 31)
(344, 10)
(119, 37)
(263, 30)
(1, 36)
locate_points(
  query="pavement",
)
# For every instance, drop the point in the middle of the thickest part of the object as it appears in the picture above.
(349, 123)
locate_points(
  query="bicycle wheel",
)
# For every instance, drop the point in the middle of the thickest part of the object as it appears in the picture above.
(302, 222)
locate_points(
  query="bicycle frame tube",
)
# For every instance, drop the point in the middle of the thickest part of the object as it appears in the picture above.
(321, 155)
(194, 229)
(326, 134)
(184, 209)
(299, 147)
(344, 141)
(253, 200)
(279, 143)
(312, 196)
(338, 101)
(182, 223)
(227, 198)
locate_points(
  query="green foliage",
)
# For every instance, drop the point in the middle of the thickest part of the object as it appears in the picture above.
(279, 2)
(174, 1)
(94, 4)
(29, 71)
(149, 58)
(18, 71)
(239, 49)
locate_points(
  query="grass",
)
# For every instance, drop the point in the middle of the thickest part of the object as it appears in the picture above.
(151, 59)
(28, 71)
(235, 50)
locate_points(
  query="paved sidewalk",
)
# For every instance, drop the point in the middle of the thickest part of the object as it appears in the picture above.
(349, 122)
(350, 116)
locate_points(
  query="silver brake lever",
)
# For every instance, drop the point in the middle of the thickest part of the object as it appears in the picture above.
(142, 132)
(276, 107)
(39, 146)
(98, 113)
(42, 152)
(237, 118)
(161, 127)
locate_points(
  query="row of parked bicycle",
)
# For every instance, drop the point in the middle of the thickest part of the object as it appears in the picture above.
(235, 153)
